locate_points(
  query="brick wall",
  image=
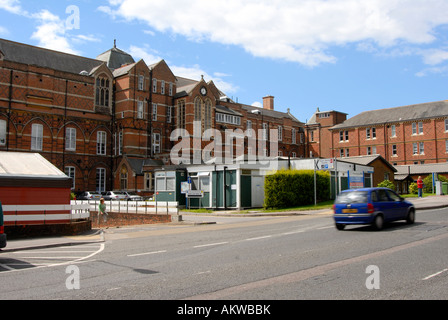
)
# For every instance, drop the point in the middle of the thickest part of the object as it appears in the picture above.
(127, 219)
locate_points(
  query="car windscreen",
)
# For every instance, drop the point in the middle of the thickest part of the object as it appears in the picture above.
(353, 197)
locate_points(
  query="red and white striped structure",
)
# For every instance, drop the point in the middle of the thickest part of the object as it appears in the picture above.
(33, 191)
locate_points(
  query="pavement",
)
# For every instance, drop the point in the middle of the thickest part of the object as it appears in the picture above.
(97, 235)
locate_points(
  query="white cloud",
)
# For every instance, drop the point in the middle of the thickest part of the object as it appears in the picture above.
(51, 32)
(12, 6)
(299, 31)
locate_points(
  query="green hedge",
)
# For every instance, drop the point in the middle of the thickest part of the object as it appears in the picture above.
(294, 188)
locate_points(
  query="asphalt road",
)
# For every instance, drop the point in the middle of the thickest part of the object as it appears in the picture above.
(257, 258)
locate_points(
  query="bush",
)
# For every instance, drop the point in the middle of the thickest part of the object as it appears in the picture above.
(292, 188)
(387, 184)
(427, 183)
(413, 188)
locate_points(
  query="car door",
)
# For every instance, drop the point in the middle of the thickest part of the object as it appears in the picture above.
(384, 204)
(399, 208)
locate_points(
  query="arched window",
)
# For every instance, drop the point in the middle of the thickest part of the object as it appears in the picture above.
(124, 178)
(102, 92)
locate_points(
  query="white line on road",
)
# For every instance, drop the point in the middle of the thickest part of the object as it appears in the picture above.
(258, 238)
(146, 253)
(210, 245)
(435, 274)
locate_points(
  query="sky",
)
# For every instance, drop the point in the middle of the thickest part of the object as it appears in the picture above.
(345, 55)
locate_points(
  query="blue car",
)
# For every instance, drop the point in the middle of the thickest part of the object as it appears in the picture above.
(371, 206)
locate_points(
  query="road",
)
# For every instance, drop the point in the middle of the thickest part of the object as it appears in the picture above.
(257, 258)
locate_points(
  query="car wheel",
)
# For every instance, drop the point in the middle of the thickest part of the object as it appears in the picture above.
(410, 219)
(340, 226)
(378, 222)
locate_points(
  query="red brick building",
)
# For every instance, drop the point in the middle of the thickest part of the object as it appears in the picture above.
(108, 122)
(409, 135)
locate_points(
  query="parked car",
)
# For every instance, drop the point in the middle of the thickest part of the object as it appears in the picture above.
(88, 195)
(2, 229)
(132, 196)
(374, 206)
(115, 195)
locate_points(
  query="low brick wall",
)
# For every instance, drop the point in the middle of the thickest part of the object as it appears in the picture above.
(127, 219)
(49, 230)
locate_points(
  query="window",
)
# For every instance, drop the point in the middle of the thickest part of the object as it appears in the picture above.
(249, 128)
(70, 171)
(169, 114)
(2, 132)
(100, 179)
(101, 138)
(140, 105)
(417, 128)
(154, 112)
(293, 136)
(154, 85)
(347, 152)
(393, 130)
(368, 133)
(149, 181)
(294, 155)
(156, 143)
(394, 150)
(280, 133)
(181, 114)
(343, 136)
(208, 115)
(312, 136)
(141, 82)
(102, 92)
(265, 131)
(70, 139)
(171, 89)
(165, 181)
(37, 136)
(373, 133)
(446, 124)
(422, 148)
(371, 150)
(341, 153)
(124, 178)
(415, 148)
(446, 146)
(163, 87)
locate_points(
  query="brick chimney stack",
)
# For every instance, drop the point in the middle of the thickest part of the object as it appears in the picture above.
(268, 103)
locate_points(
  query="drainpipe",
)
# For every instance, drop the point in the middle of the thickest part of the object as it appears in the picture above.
(9, 110)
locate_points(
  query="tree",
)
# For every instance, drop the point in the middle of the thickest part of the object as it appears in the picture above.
(387, 184)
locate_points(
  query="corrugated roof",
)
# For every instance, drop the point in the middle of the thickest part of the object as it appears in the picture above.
(422, 169)
(407, 113)
(27, 54)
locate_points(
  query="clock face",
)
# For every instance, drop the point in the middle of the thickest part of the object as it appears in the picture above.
(203, 91)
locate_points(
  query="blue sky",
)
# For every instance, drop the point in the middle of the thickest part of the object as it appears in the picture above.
(345, 55)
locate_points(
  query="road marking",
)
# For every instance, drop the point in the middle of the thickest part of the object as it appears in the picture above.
(146, 253)
(435, 274)
(210, 245)
(258, 238)
(322, 228)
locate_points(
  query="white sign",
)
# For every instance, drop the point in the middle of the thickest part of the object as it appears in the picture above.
(324, 164)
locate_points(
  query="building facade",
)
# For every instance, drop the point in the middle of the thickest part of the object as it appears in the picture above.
(110, 122)
(409, 135)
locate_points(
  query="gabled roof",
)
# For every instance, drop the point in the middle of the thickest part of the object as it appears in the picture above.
(407, 113)
(368, 160)
(270, 113)
(31, 55)
(27, 165)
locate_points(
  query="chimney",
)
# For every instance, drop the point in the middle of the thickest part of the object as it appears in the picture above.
(268, 103)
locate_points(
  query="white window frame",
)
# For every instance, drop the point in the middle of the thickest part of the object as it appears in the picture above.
(101, 141)
(156, 143)
(37, 131)
(140, 109)
(70, 139)
(101, 179)
(2, 132)
(71, 172)
(154, 112)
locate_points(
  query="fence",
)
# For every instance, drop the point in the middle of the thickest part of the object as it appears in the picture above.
(44, 214)
(139, 207)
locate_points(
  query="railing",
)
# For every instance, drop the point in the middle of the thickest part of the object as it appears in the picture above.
(139, 207)
(44, 214)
